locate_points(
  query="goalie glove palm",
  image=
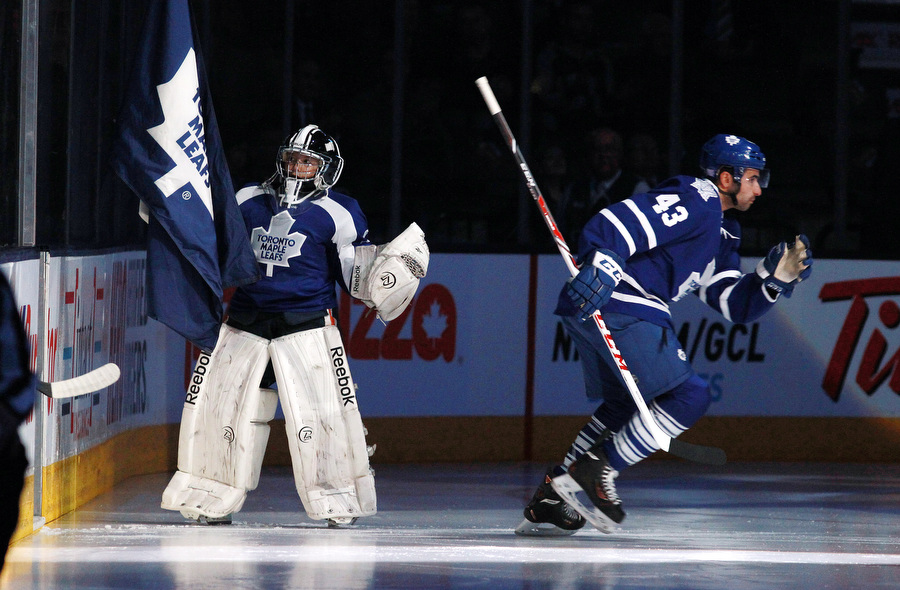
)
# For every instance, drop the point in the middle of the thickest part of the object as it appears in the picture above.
(786, 265)
(593, 286)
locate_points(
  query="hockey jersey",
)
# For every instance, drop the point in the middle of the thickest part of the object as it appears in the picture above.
(674, 240)
(303, 251)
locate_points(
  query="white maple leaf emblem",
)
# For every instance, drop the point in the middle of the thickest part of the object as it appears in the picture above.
(182, 134)
(706, 189)
(275, 246)
(434, 322)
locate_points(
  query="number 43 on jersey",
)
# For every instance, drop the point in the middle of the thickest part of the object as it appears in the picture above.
(666, 202)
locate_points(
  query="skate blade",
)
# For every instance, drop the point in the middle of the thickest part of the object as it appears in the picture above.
(541, 529)
(567, 487)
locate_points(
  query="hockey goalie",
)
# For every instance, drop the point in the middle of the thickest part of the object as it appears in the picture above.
(281, 343)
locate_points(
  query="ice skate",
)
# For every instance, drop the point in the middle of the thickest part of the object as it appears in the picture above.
(548, 515)
(592, 475)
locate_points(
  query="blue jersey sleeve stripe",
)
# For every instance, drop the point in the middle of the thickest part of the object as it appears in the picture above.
(723, 302)
(726, 274)
(645, 223)
(621, 227)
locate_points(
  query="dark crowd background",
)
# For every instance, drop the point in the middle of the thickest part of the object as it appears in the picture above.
(393, 81)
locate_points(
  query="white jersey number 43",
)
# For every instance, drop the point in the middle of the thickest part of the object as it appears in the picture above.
(664, 203)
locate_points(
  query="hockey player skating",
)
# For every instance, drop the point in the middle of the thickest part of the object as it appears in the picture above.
(636, 257)
(307, 239)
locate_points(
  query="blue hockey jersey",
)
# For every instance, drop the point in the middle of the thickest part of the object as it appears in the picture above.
(302, 251)
(674, 240)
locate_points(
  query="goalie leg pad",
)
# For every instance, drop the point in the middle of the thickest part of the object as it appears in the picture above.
(324, 428)
(224, 428)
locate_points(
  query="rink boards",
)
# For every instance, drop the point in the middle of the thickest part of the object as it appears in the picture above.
(477, 369)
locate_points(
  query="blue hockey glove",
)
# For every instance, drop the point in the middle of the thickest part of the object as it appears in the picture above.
(592, 287)
(786, 265)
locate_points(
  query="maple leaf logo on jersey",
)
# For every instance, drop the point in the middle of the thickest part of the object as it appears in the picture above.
(182, 134)
(706, 189)
(275, 246)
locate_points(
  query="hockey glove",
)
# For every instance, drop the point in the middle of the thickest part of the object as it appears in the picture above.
(786, 265)
(592, 287)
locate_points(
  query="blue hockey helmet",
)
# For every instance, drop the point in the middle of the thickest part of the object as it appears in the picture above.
(736, 153)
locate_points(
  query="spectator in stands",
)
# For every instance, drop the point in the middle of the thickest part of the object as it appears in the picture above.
(607, 181)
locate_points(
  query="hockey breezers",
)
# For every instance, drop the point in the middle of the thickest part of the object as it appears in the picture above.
(685, 450)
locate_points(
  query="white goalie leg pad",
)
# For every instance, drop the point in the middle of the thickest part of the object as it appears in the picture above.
(224, 428)
(324, 428)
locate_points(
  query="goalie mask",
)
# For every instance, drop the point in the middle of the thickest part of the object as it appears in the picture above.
(308, 164)
(734, 154)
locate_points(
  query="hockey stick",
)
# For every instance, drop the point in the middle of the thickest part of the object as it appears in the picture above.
(685, 450)
(87, 383)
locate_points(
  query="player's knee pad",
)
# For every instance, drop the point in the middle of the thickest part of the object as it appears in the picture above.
(324, 427)
(224, 427)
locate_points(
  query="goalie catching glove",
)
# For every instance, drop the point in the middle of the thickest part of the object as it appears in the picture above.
(786, 265)
(386, 277)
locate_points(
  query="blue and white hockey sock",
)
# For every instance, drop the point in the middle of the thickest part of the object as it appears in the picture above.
(675, 412)
(587, 437)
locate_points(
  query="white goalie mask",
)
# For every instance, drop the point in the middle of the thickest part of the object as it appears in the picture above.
(308, 164)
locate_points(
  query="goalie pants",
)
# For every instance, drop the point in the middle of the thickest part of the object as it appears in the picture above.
(677, 397)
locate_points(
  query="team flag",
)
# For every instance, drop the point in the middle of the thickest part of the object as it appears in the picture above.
(169, 152)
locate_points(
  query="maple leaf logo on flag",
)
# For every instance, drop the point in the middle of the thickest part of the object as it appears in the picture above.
(274, 246)
(182, 134)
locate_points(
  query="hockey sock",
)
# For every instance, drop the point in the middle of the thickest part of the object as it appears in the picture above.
(587, 437)
(675, 412)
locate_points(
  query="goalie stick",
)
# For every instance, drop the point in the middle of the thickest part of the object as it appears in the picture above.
(685, 450)
(89, 382)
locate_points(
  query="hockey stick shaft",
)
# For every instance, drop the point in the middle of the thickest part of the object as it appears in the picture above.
(88, 383)
(692, 452)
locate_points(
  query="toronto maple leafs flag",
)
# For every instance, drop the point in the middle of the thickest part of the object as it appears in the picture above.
(168, 151)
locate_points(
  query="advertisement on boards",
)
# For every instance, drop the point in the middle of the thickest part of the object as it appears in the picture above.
(93, 313)
(462, 348)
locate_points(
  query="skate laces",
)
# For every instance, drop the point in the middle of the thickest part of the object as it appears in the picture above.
(571, 513)
(608, 481)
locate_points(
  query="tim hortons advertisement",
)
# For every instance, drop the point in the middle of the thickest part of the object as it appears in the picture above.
(462, 347)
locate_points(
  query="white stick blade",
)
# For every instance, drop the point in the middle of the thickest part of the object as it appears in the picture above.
(83, 384)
